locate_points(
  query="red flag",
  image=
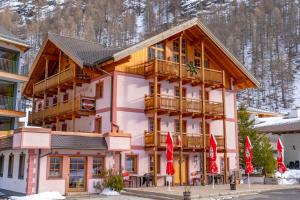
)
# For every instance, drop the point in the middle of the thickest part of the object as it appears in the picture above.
(213, 168)
(280, 150)
(248, 156)
(169, 152)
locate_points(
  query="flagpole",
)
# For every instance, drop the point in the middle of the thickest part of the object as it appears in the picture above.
(248, 181)
(169, 183)
(213, 181)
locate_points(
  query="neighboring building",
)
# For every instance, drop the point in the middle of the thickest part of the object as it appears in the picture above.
(111, 108)
(288, 129)
(12, 106)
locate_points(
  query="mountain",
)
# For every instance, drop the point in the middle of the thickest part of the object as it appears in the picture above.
(263, 35)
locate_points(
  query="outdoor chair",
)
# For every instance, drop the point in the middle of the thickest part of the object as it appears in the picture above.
(147, 178)
(196, 178)
(128, 182)
(297, 164)
(292, 165)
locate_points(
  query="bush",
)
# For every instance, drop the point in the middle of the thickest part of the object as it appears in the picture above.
(113, 181)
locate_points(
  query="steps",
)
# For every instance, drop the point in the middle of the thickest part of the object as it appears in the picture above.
(150, 195)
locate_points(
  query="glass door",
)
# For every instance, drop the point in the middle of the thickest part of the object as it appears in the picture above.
(77, 178)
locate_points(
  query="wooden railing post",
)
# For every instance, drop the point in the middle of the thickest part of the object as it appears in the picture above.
(155, 119)
(224, 127)
(203, 112)
(180, 110)
(73, 105)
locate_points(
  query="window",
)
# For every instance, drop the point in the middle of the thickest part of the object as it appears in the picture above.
(151, 163)
(131, 163)
(159, 49)
(10, 166)
(55, 166)
(206, 64)
(151, 124)
(99, 90)
(54, 100)
(1, 165)
(21, 165)
(176, 50)
(65, 97)
(151, 89)
(177, 92)
(177, 126)
(40, 106)
(98, 125)
(98, 167)
(197, 59)
(64, 127)
(47, 103)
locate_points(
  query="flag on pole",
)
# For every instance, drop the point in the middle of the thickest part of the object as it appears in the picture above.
(248, 156)
(169, 152)
(213, 167)
(280, 161)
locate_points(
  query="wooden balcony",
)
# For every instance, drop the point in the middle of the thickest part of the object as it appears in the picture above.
(169, 105)
(64, 110)
(63, 78)
(169, 70)
(189, 141)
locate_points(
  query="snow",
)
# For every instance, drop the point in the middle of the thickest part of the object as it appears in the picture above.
(110, 192)
(289, 177)
(40, 196)
(278, 122)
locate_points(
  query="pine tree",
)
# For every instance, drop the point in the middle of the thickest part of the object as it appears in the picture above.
(262, 151)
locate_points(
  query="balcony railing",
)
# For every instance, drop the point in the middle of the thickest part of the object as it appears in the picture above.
(59, 78)
(12, 103)
(188, 140)
(172, 103)
(11, 66)
(170, 69)
(62, 108)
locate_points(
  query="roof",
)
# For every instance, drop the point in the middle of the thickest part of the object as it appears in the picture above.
(261, 111)
(78, 142)
(84, 53)
(280, 126)
(7, 36)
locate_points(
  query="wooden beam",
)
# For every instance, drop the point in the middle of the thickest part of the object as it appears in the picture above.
(203, 114)
(224, 127)
(180, 108)
(155, 118)
(50, 57)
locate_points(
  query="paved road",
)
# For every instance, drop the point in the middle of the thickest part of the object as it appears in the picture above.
(275, 195)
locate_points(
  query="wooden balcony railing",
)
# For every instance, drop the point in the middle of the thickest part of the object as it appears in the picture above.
(170, 69)
(59, 78)
(62, 108)
(188, 140)
(171, 104)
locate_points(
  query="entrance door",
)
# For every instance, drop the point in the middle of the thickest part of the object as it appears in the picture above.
(183, 170)
(77, 178)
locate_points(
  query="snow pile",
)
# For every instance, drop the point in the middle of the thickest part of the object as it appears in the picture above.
(40, 196)
(289, 177)
(110, 192)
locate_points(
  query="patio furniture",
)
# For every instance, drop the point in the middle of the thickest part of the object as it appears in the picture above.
(127, 179)
(292, 165)
(297, 164)
(196, 178)
(147, 178)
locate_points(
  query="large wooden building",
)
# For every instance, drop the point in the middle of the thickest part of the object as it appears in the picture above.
(122, 102)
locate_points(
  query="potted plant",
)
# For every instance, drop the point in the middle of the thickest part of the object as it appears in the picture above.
(187, 193)
(192, 68)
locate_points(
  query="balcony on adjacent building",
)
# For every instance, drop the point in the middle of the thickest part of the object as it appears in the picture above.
(170, 105)
(188, 141)
(12, 106)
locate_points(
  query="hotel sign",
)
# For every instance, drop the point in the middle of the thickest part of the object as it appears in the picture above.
(88, 104)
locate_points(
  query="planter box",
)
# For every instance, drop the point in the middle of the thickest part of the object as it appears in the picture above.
(271, 181)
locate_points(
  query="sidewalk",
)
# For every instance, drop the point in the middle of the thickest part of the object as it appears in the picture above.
(204, 192)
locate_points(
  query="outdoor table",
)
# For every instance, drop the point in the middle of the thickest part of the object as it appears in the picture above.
(137, 179)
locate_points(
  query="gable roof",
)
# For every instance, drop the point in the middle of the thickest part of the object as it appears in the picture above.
(83, 52)
(7, 36)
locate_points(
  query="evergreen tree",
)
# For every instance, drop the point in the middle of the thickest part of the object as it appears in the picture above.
(262, 150)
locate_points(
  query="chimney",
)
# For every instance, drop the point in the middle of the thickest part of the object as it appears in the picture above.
(295, 113)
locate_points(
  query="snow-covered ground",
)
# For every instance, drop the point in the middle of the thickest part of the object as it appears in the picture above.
(289, 177)
(41, 196)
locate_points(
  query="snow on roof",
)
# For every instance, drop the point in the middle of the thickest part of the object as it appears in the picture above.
(279, 125)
